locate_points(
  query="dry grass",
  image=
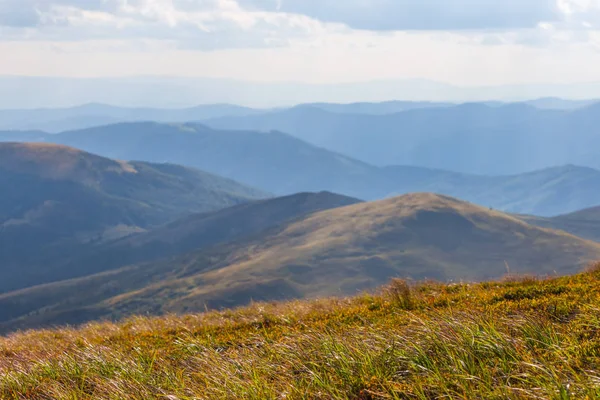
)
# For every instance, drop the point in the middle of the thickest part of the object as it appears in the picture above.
(528, 339)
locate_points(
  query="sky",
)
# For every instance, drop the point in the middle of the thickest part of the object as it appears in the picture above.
(461, 42)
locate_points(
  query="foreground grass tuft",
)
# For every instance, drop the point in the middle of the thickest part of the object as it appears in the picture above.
(517, 339)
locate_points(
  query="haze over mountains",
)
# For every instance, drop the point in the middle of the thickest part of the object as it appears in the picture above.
(497, 140)
(96, 114)
(167, 92)
(281, 164)
(229, 204)
(484, 138)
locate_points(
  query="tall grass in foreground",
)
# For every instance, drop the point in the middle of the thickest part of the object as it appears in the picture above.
(529, 339)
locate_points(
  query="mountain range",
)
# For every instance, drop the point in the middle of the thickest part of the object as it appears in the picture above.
(215, 218)
(469, 138)
(96, 114)
(306, 245)
(168, 92)
(281, 164)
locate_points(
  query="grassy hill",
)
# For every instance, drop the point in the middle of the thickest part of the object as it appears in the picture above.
(517, 339)
(334, 252)
(191, 233)
(55, 197)
(203, 230)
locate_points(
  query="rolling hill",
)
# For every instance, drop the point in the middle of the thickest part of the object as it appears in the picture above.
(192, 233)
(273, 161)
(284, 165)
(55, 197)
(490, 140)
(332, 252)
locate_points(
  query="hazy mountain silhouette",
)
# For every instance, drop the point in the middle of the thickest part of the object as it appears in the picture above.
(470, 138)
(95, 114)
(56, 197)
(273, 161)
(281, 164)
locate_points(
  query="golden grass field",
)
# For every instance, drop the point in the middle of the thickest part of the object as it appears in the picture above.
(521, 338)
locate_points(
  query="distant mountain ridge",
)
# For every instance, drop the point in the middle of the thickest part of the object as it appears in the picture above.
(165, 91)
(97, 114)
(273, 161)
(473, 137)
(281, 164)
(94, 114)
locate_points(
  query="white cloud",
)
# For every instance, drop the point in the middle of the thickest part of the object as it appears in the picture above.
(219, 24)
(420, 14)
(202, 24)
(460, 41)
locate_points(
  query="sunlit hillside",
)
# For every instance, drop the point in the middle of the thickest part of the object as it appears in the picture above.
(521, 338)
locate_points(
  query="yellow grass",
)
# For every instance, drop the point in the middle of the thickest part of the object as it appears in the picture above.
(518, 339)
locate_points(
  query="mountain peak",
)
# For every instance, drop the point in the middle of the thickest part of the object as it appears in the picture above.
(414, 201)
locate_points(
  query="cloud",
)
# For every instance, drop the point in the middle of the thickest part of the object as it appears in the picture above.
(203, 24)
(14, 14)
(579, 23)
(235, 24)
(419, 14)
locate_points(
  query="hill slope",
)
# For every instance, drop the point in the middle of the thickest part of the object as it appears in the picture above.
(55, 196)
(334, 252)
(518, 340)
(584, 223)
(194, 232)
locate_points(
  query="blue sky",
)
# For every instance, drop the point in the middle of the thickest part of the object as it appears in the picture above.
(465, 42)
